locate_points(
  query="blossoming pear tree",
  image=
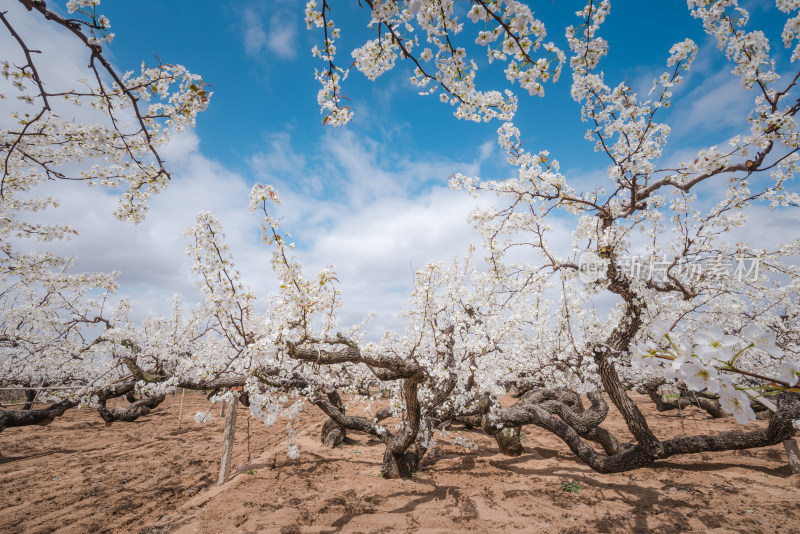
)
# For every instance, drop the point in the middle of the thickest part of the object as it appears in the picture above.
(104, 130)
(725, 330)
(454, 356)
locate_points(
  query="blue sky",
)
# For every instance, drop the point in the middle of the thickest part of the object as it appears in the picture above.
(371, 197)
(256, 55)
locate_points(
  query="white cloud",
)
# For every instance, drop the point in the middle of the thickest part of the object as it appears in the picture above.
(180, 147)
(151, 255)
(254, 37)
(486, 150)
(711, 98)
(61, 62)
(377, 249)
(280, 39)
(282, 36)
(718, 102)
(349, 203)
(766, 228)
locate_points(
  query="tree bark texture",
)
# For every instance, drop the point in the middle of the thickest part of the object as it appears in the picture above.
(227, 444)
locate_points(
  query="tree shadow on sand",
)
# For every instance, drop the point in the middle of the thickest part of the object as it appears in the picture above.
(8, 459)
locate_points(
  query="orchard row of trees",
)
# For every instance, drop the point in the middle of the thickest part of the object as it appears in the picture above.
(475, 328)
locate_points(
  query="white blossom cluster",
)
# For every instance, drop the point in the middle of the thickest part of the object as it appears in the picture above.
(511, 34)
(97, 24)
(707, 360)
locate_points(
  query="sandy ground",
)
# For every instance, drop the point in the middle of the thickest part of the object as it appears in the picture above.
(80, 475)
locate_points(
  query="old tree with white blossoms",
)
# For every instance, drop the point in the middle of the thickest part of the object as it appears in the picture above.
(54, 321)
(715, 321)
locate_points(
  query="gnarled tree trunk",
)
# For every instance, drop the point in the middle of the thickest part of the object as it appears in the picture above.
(508, 440)
(333, 434)
(402, 464)
(136, 410)
(684, 399)
(43, 416)
(632, 457)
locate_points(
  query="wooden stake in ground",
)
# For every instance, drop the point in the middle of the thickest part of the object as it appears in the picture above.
(793, 453)
(248, 438)
(227, 440)
(223, 403)
(180, 413)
